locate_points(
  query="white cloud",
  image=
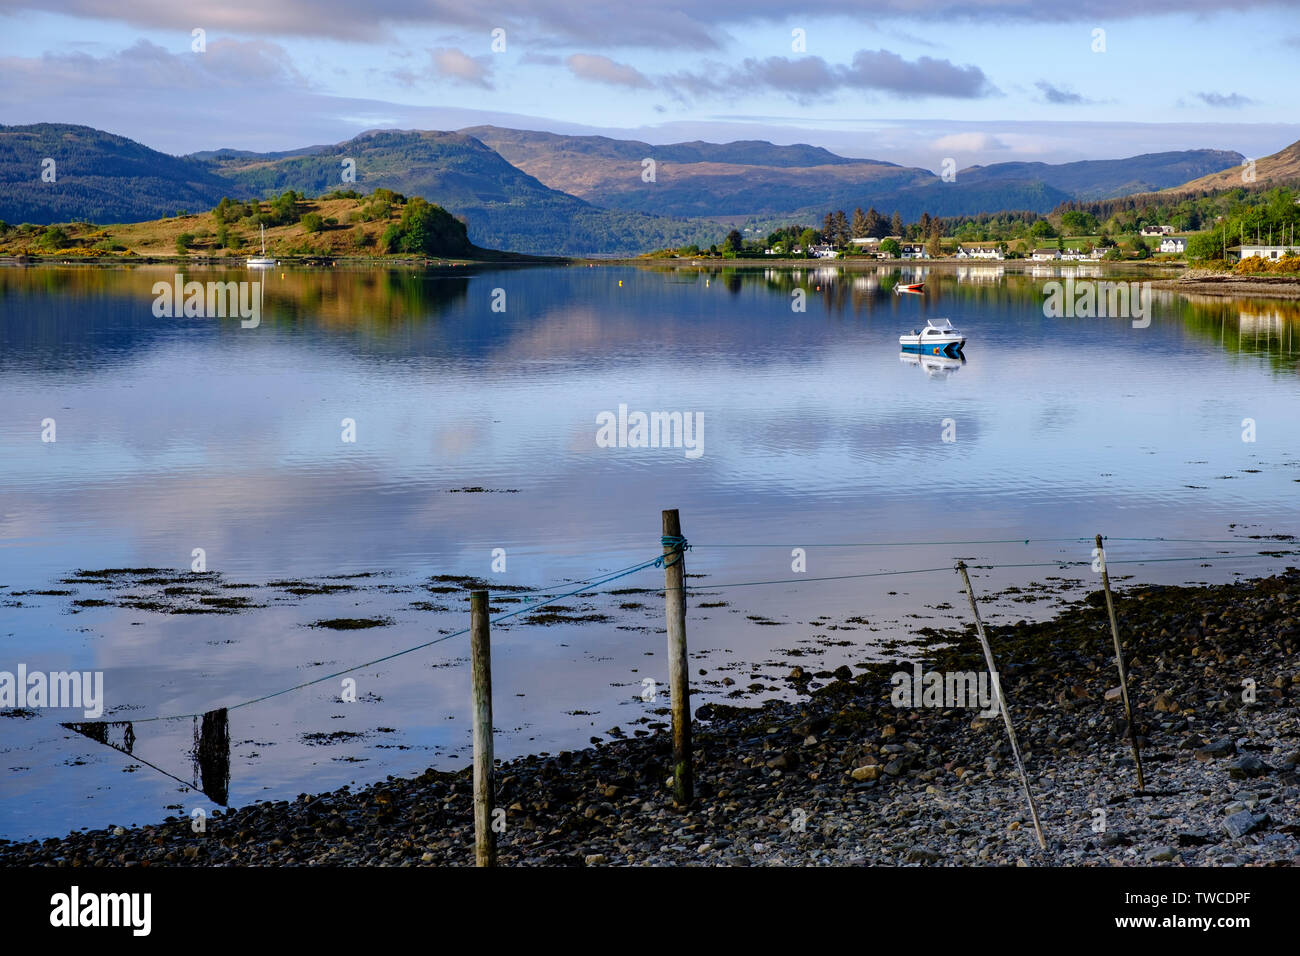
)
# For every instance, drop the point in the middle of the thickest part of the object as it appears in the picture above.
(601, 69)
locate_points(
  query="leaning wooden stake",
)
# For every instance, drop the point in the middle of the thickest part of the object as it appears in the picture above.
(1002, 702)
(485, 840)
(679, 682)
(1123, 672)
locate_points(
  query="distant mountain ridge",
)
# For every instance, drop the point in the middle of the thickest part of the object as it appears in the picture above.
(1107, 178)
(761, 179)
(1274, 169)
(503, 206)
(547, 193)
(518, 145)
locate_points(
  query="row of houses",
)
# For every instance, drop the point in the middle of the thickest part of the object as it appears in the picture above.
(1170, 244)
(820, 252)
(1074, 255)
(1176, 245)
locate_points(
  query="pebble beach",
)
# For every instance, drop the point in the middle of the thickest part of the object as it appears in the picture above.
(842, 776)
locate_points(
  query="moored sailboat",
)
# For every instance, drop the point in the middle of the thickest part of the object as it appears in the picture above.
(261, 262)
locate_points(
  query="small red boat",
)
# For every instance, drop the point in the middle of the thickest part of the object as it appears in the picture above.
(917, 288)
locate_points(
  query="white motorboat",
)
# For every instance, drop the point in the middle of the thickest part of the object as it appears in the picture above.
(937, 338)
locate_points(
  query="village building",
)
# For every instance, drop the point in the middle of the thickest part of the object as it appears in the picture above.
(1263, 252)
(1040, 255)
(979, 252)
(1175, 244)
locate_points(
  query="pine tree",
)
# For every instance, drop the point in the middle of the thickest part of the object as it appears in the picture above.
(841, 224)
(896, 224)
(860, 227)
(877, 225)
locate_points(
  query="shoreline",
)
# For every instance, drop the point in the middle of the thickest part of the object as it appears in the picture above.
(1232, 284)
(1224, 285)
(872, 783)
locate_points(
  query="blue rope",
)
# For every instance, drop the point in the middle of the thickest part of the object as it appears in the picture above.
(679, 547)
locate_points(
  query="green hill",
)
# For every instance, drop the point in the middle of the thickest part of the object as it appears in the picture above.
(503, 207)
(99, 177)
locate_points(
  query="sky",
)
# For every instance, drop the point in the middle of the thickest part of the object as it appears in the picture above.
(913, 82)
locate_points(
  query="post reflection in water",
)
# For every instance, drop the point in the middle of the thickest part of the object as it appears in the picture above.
(210, 756)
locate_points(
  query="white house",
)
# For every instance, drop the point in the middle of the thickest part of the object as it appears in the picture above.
(914, 252)
(869, 241)
(1039, 255)
(824, 252)
(979, 252)
(1176, 244)
(1157, 230)
(1264, 252)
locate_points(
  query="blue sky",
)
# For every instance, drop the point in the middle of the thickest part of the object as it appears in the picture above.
(914, 82)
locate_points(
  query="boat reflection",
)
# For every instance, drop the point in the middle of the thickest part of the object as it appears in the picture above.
(935, 366)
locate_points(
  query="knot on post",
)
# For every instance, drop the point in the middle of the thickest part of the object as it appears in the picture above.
(679, 547)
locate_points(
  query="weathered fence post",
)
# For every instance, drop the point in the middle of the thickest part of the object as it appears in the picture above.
(679, 687)
(1002, 703)
(485, 840)
(1123, 671)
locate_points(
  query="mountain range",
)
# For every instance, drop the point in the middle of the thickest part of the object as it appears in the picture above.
(546, 193)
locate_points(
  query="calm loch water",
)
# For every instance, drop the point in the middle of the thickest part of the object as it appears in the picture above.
(476, 445)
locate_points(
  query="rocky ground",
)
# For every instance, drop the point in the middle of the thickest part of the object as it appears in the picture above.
(842, 776)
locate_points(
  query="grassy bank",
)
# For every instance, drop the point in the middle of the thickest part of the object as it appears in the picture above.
(379, 227)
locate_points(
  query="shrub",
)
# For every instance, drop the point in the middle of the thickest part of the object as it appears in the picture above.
(312, 222)
(54, 237)
(376, 211)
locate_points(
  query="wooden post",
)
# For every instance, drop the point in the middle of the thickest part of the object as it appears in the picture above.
(485, 840)
(679, 680)
(1002, 703)
(1123, 671)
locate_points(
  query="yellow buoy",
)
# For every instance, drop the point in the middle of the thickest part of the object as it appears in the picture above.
(620, 283)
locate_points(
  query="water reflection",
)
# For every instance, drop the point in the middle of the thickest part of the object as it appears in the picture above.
(476, 431)
(210, 755)
(934, 366)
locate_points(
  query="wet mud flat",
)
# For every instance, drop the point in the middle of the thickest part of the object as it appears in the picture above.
(843, 776)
